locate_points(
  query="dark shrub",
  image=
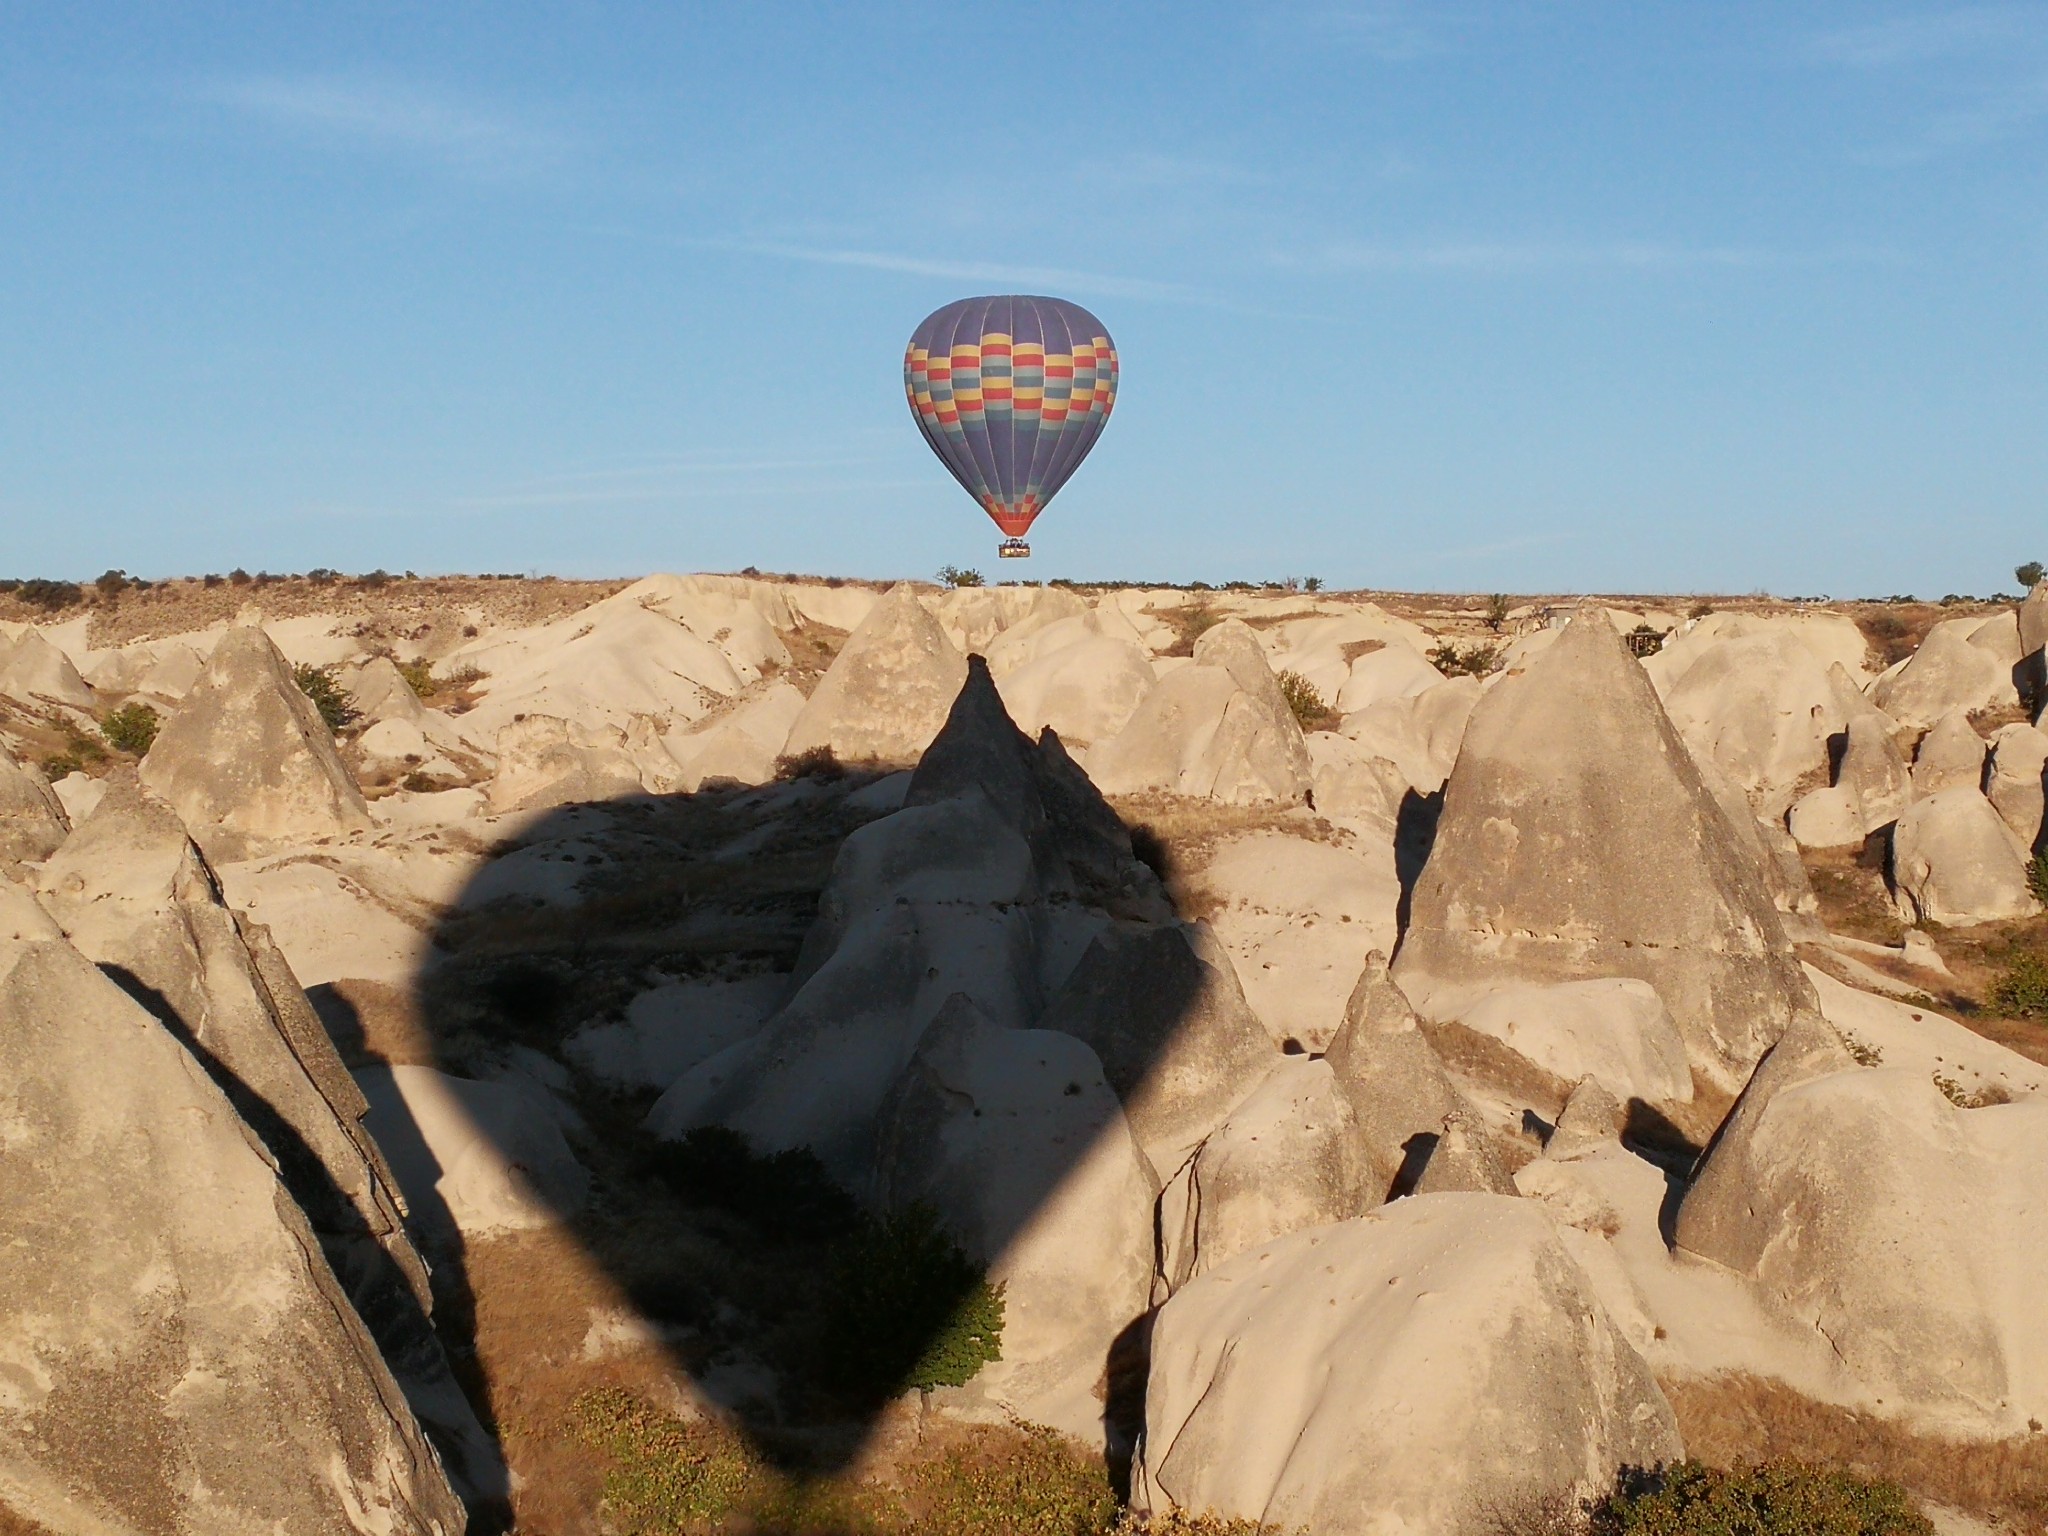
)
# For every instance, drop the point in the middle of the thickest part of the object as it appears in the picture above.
(336, 704)
(1777, 1498)
(131, 728)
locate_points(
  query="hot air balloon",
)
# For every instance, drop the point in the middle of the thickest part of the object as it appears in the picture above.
(1011, 392)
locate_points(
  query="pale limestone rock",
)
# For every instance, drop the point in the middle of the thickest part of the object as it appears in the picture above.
(1463, 1161)
(887, 693)
(1829, 817)
(1015, 1140)
(1945, 674)
(1390, 1074)
(33, 822)
(1612, 1028)
(545, 761)
(1289, 1156)
(1955, 861)
(2019, 765)
(1332, 1380)
(1875, 770)
(247, 762)
(36, 674)
(1951, 756)
(1591, 1121)
(182, 1357)
(1859, 1200)
(1577, 840)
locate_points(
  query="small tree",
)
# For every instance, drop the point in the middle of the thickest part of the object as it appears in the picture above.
(954, 576)
(336, 704)
(1496, 611)
(1311, 712)
(131, 728)
(2029, 575)
(1311, 583)
(112, 584)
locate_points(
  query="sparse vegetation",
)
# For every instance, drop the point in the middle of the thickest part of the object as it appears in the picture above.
(2028, 575)
(811, 763)
(49, 596)
(2021, 991)
(131, 728)
(1496, 611)
(1780, 1498)
(955, 576)
(336, 704)
(1311, 712)
(1193, 620)
(1471, 661)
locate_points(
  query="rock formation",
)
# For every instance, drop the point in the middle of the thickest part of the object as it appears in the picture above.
(246, 761)
(888, 691)
(32, 822)
(1577, 841)
(1955, 861)
(1421, 1369)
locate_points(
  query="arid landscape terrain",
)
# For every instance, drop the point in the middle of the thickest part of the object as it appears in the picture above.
(757, 1053)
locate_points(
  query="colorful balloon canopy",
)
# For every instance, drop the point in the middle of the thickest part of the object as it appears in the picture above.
(1011, 392)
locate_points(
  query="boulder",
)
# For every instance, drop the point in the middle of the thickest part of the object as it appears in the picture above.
(1951, 756)
(2033, 627)
(34, 673)
(741, 745)
(1015, 1140)
(1945, 674)
(1829, 817)
(1955, 861)
(1612, 1028)
(1086, 691)
(1161, 1008)
(79, 794)
(1859, 1200)
(1165, 743)
(1874, 769)
(180, 1355)
(1576, 841)
(32, 820)
(1419, 1370)
(1463, 1161)
(247, 762)
(2019, 767)
(1289, 1156)
(544, 761)
(1259, 749)
(887, 692)
(1420, 734)
(1999, 634)
(1353, 785)
(1391, 1076)
(1394, 671)
(1591, 1121)
(1765, 842)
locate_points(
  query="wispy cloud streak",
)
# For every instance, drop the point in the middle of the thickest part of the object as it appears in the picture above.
(998, 273)
(1512, 258)
(1924, 37)
(388, 115)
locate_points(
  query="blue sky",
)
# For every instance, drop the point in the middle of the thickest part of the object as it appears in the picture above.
(1533, 296)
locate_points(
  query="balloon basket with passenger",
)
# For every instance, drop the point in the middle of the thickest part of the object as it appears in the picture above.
(1013, 549)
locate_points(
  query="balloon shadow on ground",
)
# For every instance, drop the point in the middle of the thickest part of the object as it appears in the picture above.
(792, 1305)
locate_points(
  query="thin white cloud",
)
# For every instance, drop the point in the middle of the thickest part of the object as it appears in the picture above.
(1925, 36)
(389, 115)
(999, 274)
(1483, 258)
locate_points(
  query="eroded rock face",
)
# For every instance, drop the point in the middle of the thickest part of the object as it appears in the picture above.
(1955, 861)
(1013, 1137)
(246, 761)
(1951, 756)
(1290, 1156)
(1612, 1028)
(1946, 673)
(1861, 1200)
(1418, 1370)
(1874, 770)
(32, 822)
(1390, 1073)
(545, 761)
(887, 693)
(2019, 770)
(135, 896)
(184, 1358)
(1578, 841)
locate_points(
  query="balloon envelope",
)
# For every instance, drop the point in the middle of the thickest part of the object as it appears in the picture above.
(1011, 392)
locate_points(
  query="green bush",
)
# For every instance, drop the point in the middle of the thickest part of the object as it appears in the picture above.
(2037, 876)
(1777, 1498)
(1496, 611)
(2021, 992)
(811, 763)
(1476, 662)
(336, 704)
(906, 1308)
(50, 596)
(1311, 713)
(2028, 574)
(954, 576)
(131, 728)
(1042, 1488)
(418, 674)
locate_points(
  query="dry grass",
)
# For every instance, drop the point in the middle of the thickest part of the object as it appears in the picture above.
(1735, 1420)
(1178, 837)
